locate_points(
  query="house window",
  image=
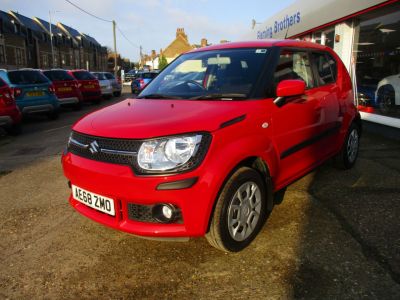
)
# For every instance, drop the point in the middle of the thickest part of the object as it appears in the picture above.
(45, 61)
(19, 55)
(2, 55)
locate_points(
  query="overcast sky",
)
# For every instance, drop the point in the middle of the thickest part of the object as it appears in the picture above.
(153, 23)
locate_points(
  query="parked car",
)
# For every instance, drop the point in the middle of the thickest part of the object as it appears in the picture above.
(66, 87)
(188, 159)
(10, 116)
(141, 80)
(130, 76)
(88, 85)
(115, 82)
(33, 92)
(388, 93)
(105, 85)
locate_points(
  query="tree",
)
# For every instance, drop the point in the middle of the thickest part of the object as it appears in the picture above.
(162, 62)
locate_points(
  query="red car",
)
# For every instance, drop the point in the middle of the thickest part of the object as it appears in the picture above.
(66, 87)
(195, 157)
(10, 116)
(88, 85)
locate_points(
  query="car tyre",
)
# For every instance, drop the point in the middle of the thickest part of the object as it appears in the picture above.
(386, 99)
(347, 156)
(117, 94)
(240, 211)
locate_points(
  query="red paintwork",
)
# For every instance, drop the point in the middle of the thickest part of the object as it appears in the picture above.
(318, 110)
(88, 94)
(75, 92)
(290, 87)
(8, 106)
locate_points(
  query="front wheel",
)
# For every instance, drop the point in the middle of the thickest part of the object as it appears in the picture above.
(240, 211)
(348, 155)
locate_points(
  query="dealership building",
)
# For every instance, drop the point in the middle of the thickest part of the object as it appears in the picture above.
(364, 33)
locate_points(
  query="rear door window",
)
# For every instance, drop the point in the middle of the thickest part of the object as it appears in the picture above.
(326, 68)
(109, 76)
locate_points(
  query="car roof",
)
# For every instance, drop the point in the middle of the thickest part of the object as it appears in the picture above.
(263, 44)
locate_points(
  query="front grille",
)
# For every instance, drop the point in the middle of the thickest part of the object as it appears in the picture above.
(104, 144)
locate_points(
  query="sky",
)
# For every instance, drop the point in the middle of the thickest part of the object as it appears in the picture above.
(153, 23)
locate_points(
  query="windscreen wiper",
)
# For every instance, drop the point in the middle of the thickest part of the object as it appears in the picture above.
(158, 96)
(226, 96)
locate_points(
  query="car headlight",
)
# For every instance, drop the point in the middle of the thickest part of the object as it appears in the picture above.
(175, 153)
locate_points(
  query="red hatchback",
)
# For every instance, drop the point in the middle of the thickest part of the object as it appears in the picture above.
(66, 87)
(88, 85)
(207, 144)
(10, 116)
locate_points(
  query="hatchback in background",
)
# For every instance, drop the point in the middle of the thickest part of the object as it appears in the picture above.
(105, 85)
(10, 116)
(33, 92)
(66, 87)
(142, 79)
(115, 82)
(88, 85)
(130, 76)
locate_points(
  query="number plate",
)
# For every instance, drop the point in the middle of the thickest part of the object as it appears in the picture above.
(35, 94)
(98, 202)
(89, 86)
(64, 89)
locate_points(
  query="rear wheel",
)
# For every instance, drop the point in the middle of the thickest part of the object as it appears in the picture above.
(386, 98)
(117, 94)
(15, 129)
(347, 157)
(240, 211)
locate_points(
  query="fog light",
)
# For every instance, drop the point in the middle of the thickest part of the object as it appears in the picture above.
(164, 213)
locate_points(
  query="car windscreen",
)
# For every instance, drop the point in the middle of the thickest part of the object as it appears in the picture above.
(100, 76)
(58, 75)
(109, 76)
(225, 74)
(27, 77)
(83, 75)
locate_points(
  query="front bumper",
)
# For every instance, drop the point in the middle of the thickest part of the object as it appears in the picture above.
(123, 186)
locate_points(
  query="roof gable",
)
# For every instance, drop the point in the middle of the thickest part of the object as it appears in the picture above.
(178, 46)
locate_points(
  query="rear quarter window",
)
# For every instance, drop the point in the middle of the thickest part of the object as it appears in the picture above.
(109, 76)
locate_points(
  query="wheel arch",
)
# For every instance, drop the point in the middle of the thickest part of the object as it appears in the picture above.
(258, 164)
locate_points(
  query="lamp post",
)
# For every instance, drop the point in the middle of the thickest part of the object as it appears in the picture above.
(51, 38)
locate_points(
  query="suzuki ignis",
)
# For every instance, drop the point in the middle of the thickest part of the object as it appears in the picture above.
(205, 147)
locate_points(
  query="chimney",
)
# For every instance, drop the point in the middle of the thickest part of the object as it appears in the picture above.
(181, 32)
(203, 42)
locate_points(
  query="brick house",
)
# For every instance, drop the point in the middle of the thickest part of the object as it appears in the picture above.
(25, 42)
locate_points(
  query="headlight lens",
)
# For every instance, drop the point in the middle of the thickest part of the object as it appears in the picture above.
(169, 153)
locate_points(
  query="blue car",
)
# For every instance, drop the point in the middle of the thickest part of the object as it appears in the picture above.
(33, 92)
(142, 79)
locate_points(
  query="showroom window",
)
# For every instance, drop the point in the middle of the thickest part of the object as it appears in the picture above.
(377, 61)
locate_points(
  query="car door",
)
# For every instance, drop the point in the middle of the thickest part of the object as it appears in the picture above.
(328, 91)
(299, 122)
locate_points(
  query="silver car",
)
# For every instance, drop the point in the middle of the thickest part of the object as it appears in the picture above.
(117, 87)
(105, 84)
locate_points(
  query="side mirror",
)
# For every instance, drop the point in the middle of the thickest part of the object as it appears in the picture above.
(287, 88)
(290, 87)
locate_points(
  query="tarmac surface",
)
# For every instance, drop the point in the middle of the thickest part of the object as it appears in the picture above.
(336, 235)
